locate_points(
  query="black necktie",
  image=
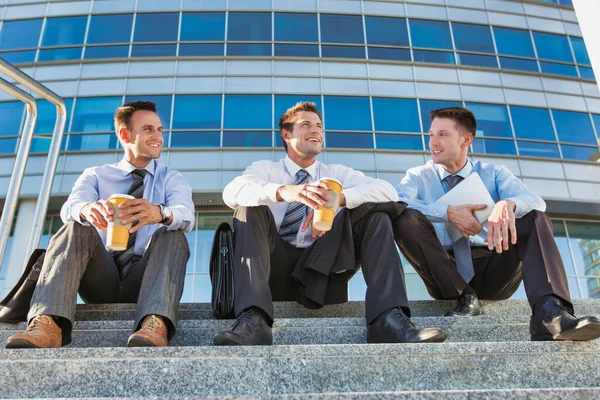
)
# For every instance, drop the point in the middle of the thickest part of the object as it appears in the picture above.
(453, 180)
(461, 248)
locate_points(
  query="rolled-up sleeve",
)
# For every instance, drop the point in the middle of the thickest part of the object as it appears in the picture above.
(179, 200)
(85, 190)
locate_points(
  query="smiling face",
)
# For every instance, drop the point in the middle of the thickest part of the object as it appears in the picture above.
(449, 145)
(305, 138)
(144, 140)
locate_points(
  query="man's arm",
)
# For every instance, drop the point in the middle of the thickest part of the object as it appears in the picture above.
(179, 200)
(85, 190)
(512, 188)
(359, 188)
(408, 190)
(252, 188)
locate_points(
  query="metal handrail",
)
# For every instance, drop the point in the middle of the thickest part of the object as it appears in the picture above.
(53, 153)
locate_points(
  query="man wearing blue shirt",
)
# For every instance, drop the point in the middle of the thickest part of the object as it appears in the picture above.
(150, 272)
(490, 260)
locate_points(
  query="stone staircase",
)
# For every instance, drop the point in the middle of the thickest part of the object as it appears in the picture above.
(318, 354)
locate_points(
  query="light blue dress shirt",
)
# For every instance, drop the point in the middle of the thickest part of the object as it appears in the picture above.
(423, 186)
(161, 185)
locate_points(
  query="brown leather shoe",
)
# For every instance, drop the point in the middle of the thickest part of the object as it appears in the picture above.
(42, 333)
(152, 333)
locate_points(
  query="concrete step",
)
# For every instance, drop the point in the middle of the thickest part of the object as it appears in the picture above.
(301, 370)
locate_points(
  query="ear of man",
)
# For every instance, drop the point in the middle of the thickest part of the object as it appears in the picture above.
(124, 135)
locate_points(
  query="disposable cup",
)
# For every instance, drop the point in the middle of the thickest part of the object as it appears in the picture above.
(118, 233)
(323, 218)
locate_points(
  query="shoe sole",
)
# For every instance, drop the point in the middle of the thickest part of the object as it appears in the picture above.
(437, 338)
(452, 314)
(20, 344)
(582, 332)
(140, 342)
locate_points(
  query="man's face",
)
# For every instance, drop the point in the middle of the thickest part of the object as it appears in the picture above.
(146, 139)
(306, 137)
(448, 145)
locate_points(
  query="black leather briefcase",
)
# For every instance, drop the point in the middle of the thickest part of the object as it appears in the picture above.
(221, 272)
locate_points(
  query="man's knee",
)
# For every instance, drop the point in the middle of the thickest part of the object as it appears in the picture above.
(250, 214)
(379, 220)
(409, 221)
(174, 238)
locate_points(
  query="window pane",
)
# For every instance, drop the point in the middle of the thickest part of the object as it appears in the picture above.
(208, 49)
(342, 51)
(247, 139)
(11, 114)
(532, 123)
(473, 37)
(518, 64)
(64, 31)
(430, 105)
(347, 113)
(514, 42)
(430, 34)
(558, 69)
(8, 146)
(252, 49)
(533, 149)
(341, 29)
(491, 146)
(567, 2)
(386, 31)
(477, 60)
(297, 50)
(42, 144)
(197, 112)
(195, 139)
(396, 115)
(283, 102)
(386, 53)
(336, 140)
(291, 27)
(93, 142)
(399, 142)
(552, 47)
(249, 27)
(596, 119)
(20, 34)
(573, 127)
(110, 28)
(247, 112)
(492, 120)
(587, 73)
(94, 114)
(163, 107)
(73, 53)
(47, 115)
(580, 153)
(106, 52)
(581, 53)
(156, 27)
(209, 26)
(440, 57)
(153, 50)
(15, 57)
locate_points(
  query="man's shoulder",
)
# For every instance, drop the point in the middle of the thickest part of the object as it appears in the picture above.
(419, 170)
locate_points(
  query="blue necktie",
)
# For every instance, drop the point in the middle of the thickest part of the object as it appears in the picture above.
(461, 248)
(295, 213)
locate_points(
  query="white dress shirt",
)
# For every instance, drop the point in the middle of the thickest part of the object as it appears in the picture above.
(258, 185)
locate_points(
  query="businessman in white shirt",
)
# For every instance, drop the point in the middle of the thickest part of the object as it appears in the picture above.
(274, 203)
(489, 261)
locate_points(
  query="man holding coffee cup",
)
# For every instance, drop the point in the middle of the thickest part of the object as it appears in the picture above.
(138, 209)
(275, 203)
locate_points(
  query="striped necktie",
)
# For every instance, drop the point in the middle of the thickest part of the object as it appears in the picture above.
(295, 213)
(123, 258)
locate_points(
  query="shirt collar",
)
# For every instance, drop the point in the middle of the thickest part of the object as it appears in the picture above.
(464, 172)
(126, 166)
(293, 168)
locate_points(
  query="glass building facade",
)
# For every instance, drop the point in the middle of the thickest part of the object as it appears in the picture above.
(222, 71)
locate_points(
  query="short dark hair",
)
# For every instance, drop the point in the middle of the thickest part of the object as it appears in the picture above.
(125, 112)
(288, 118)
(463, 117)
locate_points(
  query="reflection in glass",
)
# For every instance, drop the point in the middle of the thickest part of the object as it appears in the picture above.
(439, 57)
(552, 47)
(587, 73)
(41, 144)
(64, 31)
(399, 142)
(532, 149)
(491, 146)
(349, 140)
(558, 69)
(477, 60)
(247, 139)
(342, 29)
(581, 53)
(585, 240)
(430, 105)
(388, 53)
(430, 34)
(110, 29)
(16, 57)
(197, 112)
(47, 115)
(532, 123)
(195, 139)
(20, 34)
(473, 37)
(514, 42)
(204, 26)
(72, 53)
(347, 113)
(205, 49)
(249, 49)
(296, 50)
(396, 115)
(163, 107)
(94, 114)
(247, 112)
(342, 51)
(292, 27)
(160, 27)
(574, 127)
(249, 27)
(106, 52)
(285, 101)
(386, 31)
(11, 114)
(596, 119)
(579, 153)
(519, 64)
(492, 120)
(7, 146)
(153, 50)
(95, 141)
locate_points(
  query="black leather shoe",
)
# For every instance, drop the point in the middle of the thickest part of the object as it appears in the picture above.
(466, 306)
(393, 326)
(551, 320)
(250, 329)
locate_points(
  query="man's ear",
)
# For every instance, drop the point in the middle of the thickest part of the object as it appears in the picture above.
(124, 135)
(285, 135)
(467, 139)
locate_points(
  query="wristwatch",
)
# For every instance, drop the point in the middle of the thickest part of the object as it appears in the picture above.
(165, 213)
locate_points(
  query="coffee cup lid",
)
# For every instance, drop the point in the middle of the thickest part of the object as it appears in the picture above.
(332, 179)
(122, 196)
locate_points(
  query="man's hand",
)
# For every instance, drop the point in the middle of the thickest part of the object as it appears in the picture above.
(463, 219)
(140, 210)
(98, 213)
(312, 194)
(308, 221)
(500, 222)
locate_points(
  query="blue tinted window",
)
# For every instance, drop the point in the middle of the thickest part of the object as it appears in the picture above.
(492, 120)
(153, 50)
(567, 2)
(7, 146)
(519, 64)
(347, 113)
(473, 37)
(247, 139)
(396, 115)
(349, 140)
(490, 146)
(209, 26)
(579, 153)
(197, 112)
(249, 49)
(596, 119)
(552, 47)
(532, 123)
(440, 57)
(249, 27)
(64, 31)
(574, 127)
(477, 60)
(106, 52)
(156, 27)
(514, 42)
(341, 29)
(11, 113)
(73, 53)
(163, 107)
(283, 102)
(94, 114)
(291, 27)
(429, 105)
(533, 149)
(110, 28)
(47, 115)
(431, 34)
(387, 53)
(386, 31)
(558, 69)
(195, 139)
(399, 142)
(92, 142)
(15, 57)
(247, 112)
(42, 144)
(20, 34)
(206, 49)
(342, 51)
(587, 73)
(581, 53)
(297, 50)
